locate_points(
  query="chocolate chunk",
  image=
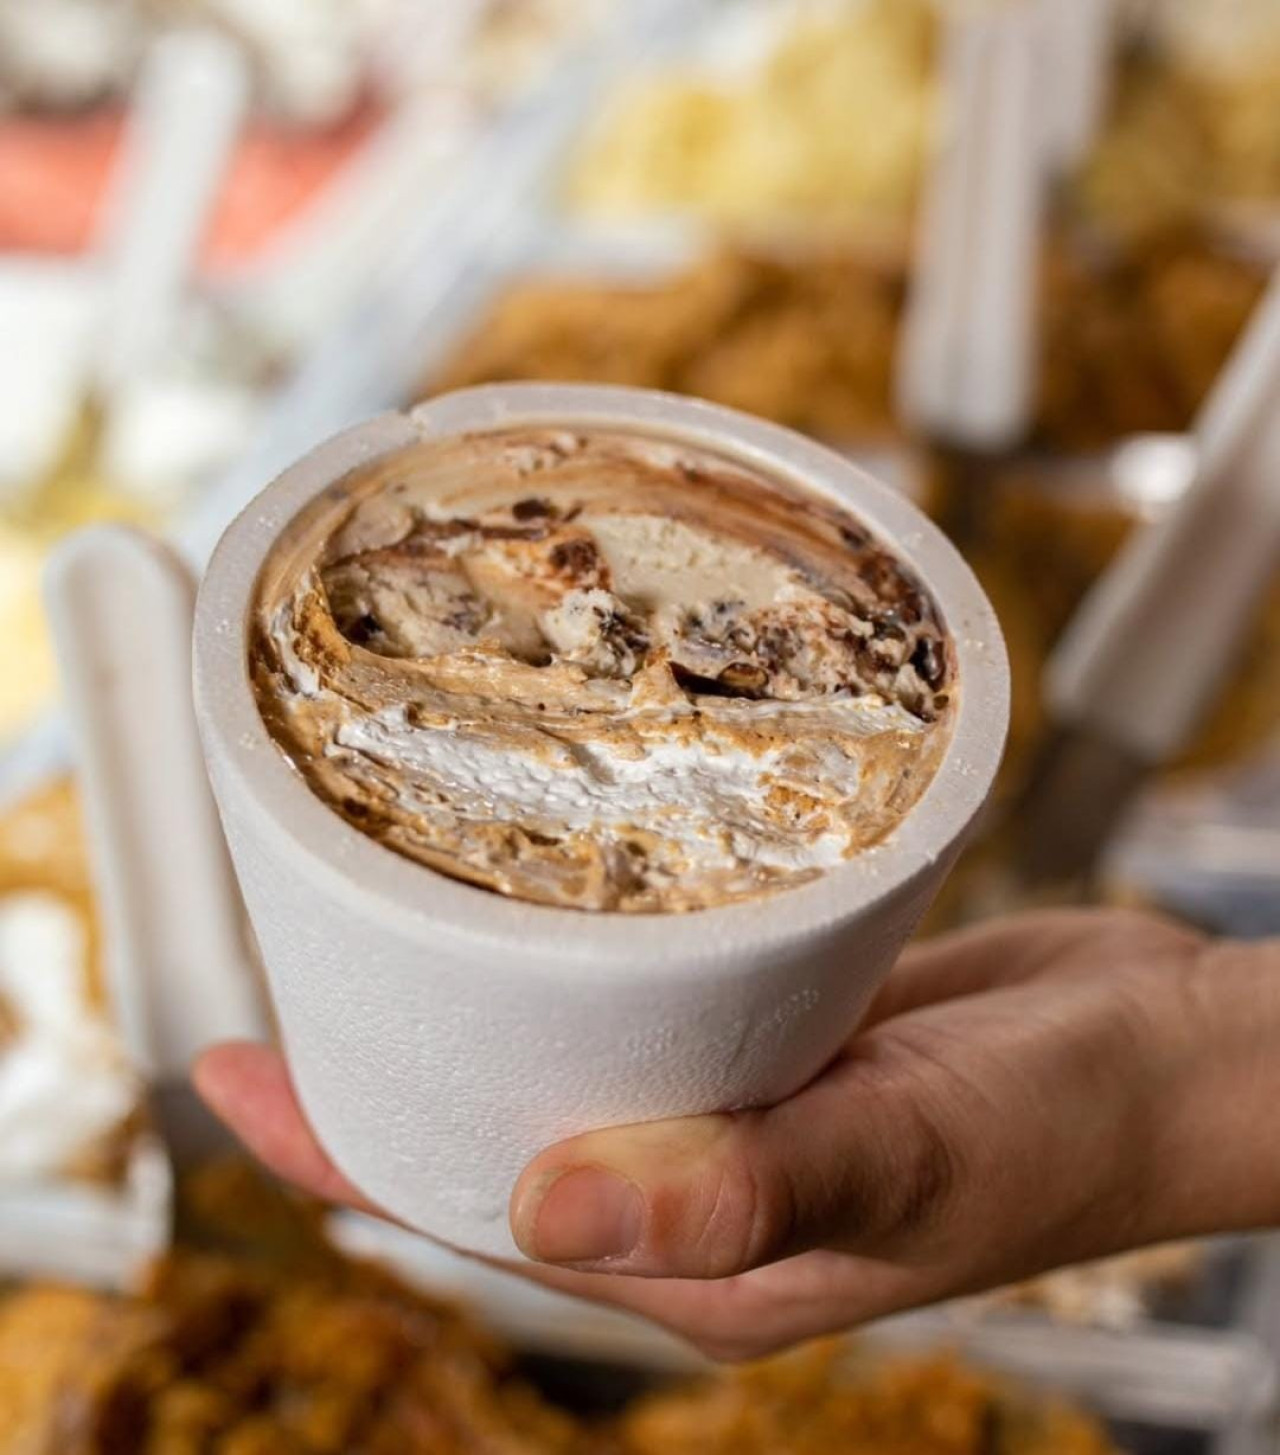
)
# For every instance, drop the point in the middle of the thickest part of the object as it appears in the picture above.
(514, 532)
(628, 631)
(865, 657)
(533, 509)
(749, 678)
(696, 682)
(914, 702)
(894, 585)
(363, 629)
(888, 626)
(575, 557)
(928, 661)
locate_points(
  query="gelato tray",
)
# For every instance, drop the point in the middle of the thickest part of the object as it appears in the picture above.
(258, 1334)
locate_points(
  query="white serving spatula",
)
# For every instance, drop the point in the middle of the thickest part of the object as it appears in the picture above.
(1150, 646)
(1078, 52)
(179, 965)
(965, 369)
(185, 116)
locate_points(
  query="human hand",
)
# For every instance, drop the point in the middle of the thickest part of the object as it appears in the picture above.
(1051, 1088)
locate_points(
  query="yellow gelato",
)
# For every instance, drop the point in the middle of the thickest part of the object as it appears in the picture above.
(831, 126)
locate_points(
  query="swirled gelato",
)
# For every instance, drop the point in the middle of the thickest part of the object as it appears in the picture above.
(600, 671)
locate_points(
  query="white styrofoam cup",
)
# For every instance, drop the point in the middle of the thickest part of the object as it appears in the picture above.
(439, 1035)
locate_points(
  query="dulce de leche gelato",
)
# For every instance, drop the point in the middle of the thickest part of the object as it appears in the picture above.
(599, 670)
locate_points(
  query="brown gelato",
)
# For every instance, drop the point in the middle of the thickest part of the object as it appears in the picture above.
(600, 672)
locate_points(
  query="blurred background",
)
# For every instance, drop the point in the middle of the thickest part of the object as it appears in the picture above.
(1012, 257)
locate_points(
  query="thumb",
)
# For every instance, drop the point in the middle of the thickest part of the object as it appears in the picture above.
(844, 1164)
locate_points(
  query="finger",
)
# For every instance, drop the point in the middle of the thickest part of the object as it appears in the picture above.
(971, 960)
(248, 1087)
(1012, 951)
(757, 1313)
(851, 1162)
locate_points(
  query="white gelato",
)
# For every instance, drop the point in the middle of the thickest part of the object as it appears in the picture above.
(63, 1082)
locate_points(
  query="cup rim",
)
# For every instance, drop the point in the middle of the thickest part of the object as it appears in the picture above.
(428, 905)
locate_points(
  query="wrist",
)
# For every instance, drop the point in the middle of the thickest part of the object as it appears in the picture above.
(1220, 1130)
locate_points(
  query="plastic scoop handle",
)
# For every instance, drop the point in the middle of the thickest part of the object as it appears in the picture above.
(966, 360)
(186, 114)
(1150, 645)
(1078, 52)
(179, 971)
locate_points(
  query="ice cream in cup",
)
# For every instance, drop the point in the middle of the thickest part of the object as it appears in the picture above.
(587, 756)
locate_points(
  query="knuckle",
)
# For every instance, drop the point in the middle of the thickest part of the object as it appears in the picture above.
(916, 1182)
(741, 1214)
(931, 1176)
(1135, 930)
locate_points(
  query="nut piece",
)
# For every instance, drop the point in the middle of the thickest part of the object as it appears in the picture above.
(746, 677)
